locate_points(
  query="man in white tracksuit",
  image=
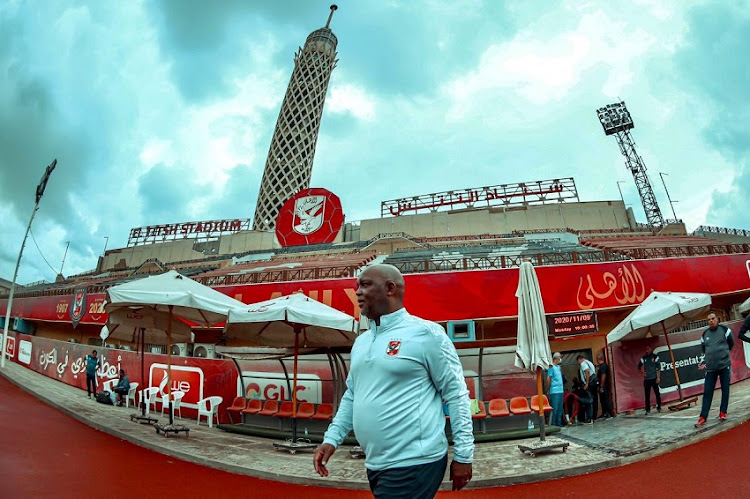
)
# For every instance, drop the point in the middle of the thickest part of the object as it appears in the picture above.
(401, 371)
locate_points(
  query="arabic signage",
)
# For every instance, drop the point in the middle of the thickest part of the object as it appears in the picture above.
(197, 377)
(506, 195)
(477, 294)
(688, 357)
(312, 216)
(194, 230)
(568, 324)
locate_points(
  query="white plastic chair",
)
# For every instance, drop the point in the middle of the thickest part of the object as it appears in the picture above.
(176, 399)
(209, 407)
(131, 394)
(148, 395)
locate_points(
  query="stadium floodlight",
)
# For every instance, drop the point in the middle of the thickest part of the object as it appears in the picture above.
(39, 193)
(615, 118)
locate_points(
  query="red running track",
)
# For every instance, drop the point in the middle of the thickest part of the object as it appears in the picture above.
(45, 453)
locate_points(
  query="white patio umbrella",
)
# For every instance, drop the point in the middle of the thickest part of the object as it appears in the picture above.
(181, 298)
(290, 321)
(660, 313)
(532, 344)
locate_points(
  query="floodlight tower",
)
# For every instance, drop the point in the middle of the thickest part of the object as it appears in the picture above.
(290, 157)
(616, 120)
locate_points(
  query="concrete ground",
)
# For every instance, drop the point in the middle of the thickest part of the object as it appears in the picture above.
(605, 444)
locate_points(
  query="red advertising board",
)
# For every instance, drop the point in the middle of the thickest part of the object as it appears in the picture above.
(442, 296)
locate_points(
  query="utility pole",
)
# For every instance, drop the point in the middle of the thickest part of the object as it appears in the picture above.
(668, 196)
(39, 193)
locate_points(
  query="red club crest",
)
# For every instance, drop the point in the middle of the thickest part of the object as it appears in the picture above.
(312, 216)
(78, 306)
(393, 348)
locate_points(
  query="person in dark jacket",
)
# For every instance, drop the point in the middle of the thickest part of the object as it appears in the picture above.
(650, 369)
(602, 374)
(745, 327)
(123, 387)
(92, 364)
(716, 342)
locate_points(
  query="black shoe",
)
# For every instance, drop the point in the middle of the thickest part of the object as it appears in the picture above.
(648, 412)
(658, 409)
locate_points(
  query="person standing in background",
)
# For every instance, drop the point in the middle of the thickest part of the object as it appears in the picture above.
(590, 383)
(92, 364)
(717, 341)
(556, 389)
(650, 369)
(602, 374)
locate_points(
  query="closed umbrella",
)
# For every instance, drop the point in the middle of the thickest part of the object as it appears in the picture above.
(661, 313)
(291, 321)
(532, 344)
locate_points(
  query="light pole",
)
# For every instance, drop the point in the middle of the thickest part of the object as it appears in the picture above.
(668, 197)
(39, 193)
(106, 241)
(618, 188)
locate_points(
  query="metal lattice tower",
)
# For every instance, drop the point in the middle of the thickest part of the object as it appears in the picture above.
(290, 157)
(616, 121)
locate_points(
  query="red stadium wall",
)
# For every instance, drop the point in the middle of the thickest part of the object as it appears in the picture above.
(442, 296)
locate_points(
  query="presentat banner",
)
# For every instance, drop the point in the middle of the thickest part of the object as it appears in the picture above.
(442, 296)
(690, 361)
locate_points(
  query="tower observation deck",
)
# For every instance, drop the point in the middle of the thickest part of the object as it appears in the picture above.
(290, 158)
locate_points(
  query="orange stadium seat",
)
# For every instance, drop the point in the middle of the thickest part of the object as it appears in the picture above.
(305, 410)
(535, 403)
(325, 412)
(482, 412)
(519, 405)
(285, 411)
(238, 405)
(498, 408)
(253, 406)
(270, 408)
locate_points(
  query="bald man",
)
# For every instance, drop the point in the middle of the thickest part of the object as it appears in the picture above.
(401, 371)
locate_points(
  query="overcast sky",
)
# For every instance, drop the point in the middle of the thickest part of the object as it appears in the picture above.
(163, 111)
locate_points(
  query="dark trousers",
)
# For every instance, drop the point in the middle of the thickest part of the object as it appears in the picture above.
(91, 384)
(648, 385)
(122, 392)
(724, 377)
(606, 402)
(594, 391)
(410, 482)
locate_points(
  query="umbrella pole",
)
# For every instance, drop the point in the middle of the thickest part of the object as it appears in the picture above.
(294, 386)
(143, 375)
(674, 366)
(169, 366)
(540, 402)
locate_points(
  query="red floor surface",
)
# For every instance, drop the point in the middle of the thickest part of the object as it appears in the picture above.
(45, 453)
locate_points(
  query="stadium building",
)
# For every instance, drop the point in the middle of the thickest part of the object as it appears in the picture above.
(459, 250)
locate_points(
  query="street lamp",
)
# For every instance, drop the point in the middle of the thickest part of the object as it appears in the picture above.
(39, 193)
(668, 197)
(106, 241)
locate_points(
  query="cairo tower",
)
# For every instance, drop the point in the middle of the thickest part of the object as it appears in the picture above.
(290, 157)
